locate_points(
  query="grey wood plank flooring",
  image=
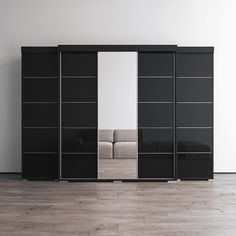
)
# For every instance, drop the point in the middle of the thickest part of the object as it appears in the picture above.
(183, 208)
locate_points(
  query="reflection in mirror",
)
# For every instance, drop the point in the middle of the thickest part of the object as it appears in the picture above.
(117, 115)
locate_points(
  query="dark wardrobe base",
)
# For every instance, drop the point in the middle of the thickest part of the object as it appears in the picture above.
(118, 180)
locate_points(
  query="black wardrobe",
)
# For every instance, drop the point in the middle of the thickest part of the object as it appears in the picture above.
(59, 111)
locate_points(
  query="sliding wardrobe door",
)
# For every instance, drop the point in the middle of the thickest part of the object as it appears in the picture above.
(78, 115)
(156, 101)
(39, 113)
(194, 113)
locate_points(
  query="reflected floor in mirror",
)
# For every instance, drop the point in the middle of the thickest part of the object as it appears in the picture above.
(117, 169)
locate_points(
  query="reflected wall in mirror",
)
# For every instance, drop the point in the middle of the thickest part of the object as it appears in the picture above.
(117, 115)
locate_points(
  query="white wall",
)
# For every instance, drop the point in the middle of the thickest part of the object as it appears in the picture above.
(182, 22)
(117, 90)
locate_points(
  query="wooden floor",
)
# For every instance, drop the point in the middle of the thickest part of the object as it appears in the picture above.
(139, 209)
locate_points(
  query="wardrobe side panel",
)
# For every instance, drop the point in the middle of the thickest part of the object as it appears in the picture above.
(40, 114)
(194, 115)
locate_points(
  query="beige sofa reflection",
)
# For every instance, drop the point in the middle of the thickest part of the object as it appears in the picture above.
(121, 143)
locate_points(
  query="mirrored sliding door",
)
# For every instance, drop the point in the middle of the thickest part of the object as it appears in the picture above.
(117, 115)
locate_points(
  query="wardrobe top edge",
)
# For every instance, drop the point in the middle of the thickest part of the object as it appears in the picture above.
(139, 48)
(96, 48)
(39, 49)
(200, 49)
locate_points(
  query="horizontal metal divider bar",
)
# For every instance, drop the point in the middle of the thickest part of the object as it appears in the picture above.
(194, 77)
(156, 102)
(38, 127)
(40, 102)
(40, 77)
(78, 127)
(160, 153)
(138, 102)
(155, 77)
(194, 152)
(194, 127)
(141, 153)
(81, 153)
(177, 102)
(40, 152)
(194, 102)
(79, 77)
(78, 102)
(143, 127)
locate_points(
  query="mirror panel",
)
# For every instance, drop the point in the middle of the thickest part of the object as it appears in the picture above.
(117, 115)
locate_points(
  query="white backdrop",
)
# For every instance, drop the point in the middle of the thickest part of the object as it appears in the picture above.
(182, 22)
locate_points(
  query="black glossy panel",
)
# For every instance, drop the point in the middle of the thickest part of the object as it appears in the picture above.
(79, 90)
(40, 115)
(194, 140)
(39, 140)
(156, 64)
(79, 140)
(40, 166)
(78, 64)
(195, 166)
(40, 90)
(79, 166)
(154, 114)
(79, 115)
(156, 140)
(194, 115)
(194, 90)
(155, 90)
(155, 166)
(39, 64)
(198, 64)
